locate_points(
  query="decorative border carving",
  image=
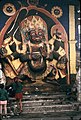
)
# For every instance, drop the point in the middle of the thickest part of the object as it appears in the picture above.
(9, 9)
(56, 12)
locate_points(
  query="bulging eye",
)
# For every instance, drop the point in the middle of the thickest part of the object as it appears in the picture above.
(33, 33)
(40, 33)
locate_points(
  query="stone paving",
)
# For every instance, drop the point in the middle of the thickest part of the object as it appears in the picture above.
(47, 116)
(35, 101)
(44, 118)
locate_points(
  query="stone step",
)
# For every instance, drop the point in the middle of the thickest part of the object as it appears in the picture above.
(33, 97)
(40, 102)
(46, 108)
(45, 103)
(43, 97)
(49, 108)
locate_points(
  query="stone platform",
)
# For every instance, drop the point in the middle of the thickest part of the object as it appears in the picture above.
(46, 103)
(46, 100)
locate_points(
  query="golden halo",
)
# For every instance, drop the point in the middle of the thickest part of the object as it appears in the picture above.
(57, 12)
(9, 9)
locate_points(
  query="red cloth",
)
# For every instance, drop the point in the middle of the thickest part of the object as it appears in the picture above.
(18, 95)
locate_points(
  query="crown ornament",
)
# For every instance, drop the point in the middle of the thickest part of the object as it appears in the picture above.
(33, 22)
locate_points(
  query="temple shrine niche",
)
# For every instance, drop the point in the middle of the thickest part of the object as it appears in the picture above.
(34, 46)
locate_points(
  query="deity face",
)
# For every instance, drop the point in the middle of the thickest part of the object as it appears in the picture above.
(34, 29)
(37, 35)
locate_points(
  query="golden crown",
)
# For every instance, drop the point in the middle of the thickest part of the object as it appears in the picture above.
(33, 22)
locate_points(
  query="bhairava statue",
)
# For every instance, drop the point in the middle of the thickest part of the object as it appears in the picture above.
(26, 49)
